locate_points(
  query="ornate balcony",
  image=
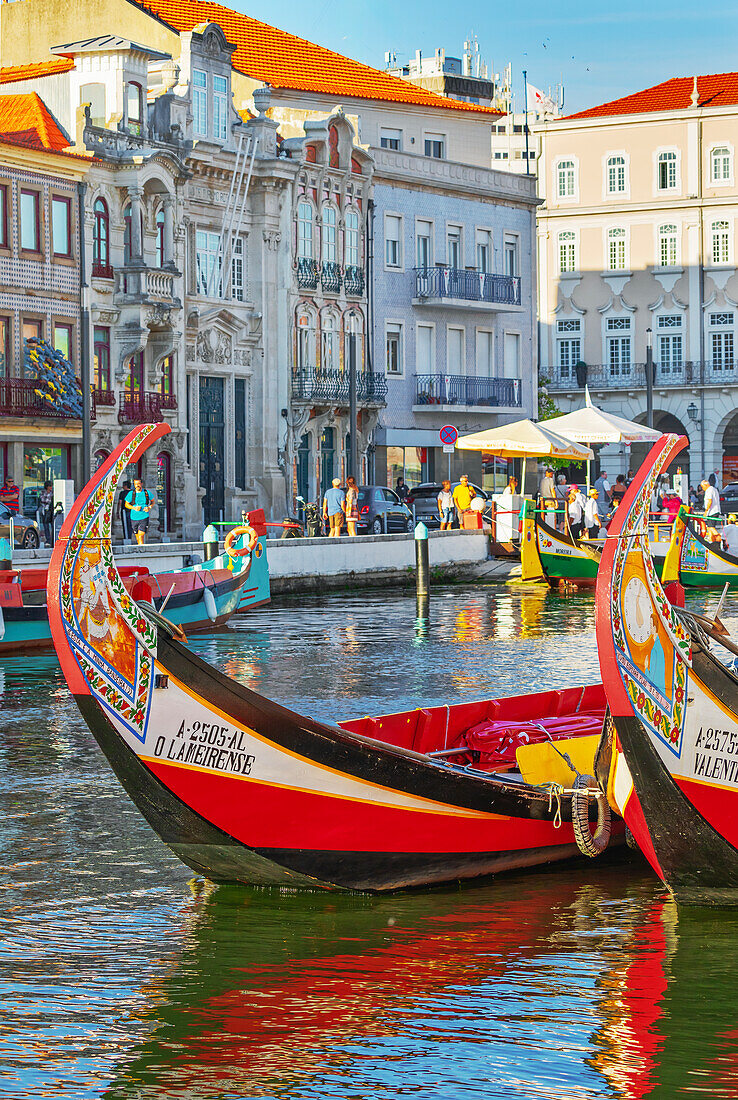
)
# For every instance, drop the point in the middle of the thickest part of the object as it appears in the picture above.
(103, 397)
(307, 274)
(632, 376)
(353, 281)
(461, 389)
(330, 277)
(19, 397)
(331, 387)
(102, 271)
(139, 408)
(168, 402)
(453, 285)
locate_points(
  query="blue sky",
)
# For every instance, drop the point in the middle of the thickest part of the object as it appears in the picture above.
(601, 52)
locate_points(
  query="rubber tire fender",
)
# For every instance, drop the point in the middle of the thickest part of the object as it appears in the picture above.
(589, 843)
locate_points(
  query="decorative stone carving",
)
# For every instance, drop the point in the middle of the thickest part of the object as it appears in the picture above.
(272, 239)
(131, 339)
(214, 346)
(105, 316)
(190, 355)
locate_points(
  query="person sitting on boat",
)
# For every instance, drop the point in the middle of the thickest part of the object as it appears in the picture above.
(672, 504)
(730, 536)
(511, 489)
(711, 505)
(592, 515)
(575, 509)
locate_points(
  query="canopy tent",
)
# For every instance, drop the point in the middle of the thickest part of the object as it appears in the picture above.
(524, 439)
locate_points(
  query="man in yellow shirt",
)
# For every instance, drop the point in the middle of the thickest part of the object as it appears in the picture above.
(463, 496)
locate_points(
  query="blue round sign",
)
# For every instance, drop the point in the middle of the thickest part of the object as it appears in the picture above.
(448, 434)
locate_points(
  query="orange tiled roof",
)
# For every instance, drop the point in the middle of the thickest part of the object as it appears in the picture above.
(285, 61)
(26, 120)
(717, 90)
(55, 65)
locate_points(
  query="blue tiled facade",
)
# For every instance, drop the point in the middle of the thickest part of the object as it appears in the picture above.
(451, 377)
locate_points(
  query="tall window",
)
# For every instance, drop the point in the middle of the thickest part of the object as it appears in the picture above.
(618, 344)
(167, 376)
(200, 102)
(720, 242)
(565, 177)
(453, 246)
(424, 349)
(455, 357)
(4, 347)
(61, 225)
(160, 238)
(567, 252)
(423, 249)
(668, 249)
(4, 233)
(510, 243)
(352, 238)
(237, 280)
(126, 234)
(484, 250)
(305, 343)
(207, 256)
(720, 165)
(134, 382)
(569, 345)
(239, 426)
(394, 348)
(667, 171)
(616, 249)
(669, 342)
(615, 175)
(329, 358)
(30, 223)
(134, 107)
(304, 231)
(722, 341)
(100, 238)
(101, 339)
(330, 249)
(63, 340)
(392, 239)
(220, 108)
(485, 353)
(435, 146)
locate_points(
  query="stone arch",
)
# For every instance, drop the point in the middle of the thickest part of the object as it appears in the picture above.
(666, 421)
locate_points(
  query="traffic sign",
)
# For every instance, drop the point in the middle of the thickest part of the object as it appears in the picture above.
(448, 448)
(448, 434)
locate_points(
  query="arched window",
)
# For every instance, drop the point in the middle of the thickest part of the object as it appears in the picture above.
(720, 164)
(329, 250)
(565, 174)
(567, 252)
(304, 231)
(160, 238)
(329, 358)
(616, 249)
(615, 175)
(720, 242)
(668, 246)
(667, 171)
(101, 240)
(305, 341)
(352, 238)
(98, 459)
(134, 107)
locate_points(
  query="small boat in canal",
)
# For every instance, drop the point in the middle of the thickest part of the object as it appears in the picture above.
(669, 759)
(696, 560)
(245, 790)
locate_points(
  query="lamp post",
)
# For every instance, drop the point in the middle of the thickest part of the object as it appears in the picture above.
(649, 377)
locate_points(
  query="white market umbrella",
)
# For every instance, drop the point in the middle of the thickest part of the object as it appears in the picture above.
(524, 439)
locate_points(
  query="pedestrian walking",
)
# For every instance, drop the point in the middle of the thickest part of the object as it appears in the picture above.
(446, 505)
(592, 515)
(139, 503)
(333, 506)
(575, 510)
(402, 490)
(463, 495)
(123, 512)
(351, 506)
(10, 494)
(547, 495)
(45, 511)
(711, 503)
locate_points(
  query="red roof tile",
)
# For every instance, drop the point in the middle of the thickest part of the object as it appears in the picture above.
(717, 90)
(26, 120)
(285, 61)
(41, 68)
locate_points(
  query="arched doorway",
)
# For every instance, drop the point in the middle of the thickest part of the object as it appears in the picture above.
(327, 459)
(730, 451)
(668, 423)
(164, 490)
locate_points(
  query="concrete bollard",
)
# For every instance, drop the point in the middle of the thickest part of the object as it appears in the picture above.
(422, 566)
(210, 546)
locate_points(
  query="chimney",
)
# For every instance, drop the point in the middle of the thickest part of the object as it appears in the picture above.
(695, 99)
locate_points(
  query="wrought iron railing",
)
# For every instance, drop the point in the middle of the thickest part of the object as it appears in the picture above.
(633, 375)
(468, 286)
(102, 271)
(461, 389)
(19, 397)
(353, 281)
(329, 386)
(168, 401)
(103, 397)
(139, 408)
(307, 274)
(330, 277)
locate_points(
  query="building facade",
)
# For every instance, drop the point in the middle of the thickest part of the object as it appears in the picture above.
(637, 245)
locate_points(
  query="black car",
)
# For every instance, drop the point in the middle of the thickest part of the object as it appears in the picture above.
(381, 512)
(26, 534)
(423, 500)
(729, 497)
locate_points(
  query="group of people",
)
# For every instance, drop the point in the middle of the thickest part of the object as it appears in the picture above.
(453, 505)
(340, 505)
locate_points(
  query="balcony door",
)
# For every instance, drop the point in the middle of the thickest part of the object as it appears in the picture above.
(212, 447)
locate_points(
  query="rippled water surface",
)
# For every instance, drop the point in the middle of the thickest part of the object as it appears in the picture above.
(120, 977)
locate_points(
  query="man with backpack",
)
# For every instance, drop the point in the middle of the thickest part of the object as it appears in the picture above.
(139, 503)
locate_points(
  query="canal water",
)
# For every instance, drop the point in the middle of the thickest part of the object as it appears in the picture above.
(122, 977)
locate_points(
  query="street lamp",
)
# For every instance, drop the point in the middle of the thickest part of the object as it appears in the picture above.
(649, 377)
(693, 412)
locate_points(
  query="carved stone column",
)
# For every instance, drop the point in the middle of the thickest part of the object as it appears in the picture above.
(134, 195)
(168, 205)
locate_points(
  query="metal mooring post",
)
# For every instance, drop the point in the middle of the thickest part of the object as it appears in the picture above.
(210, 546)
(422, 568)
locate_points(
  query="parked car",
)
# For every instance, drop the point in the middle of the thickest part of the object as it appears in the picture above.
(26, 535)
(423, 499)
(729, 498)
(382, 512)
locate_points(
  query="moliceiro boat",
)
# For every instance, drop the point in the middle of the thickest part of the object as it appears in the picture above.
(695, 560)
(246, 791)
(669, 757)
